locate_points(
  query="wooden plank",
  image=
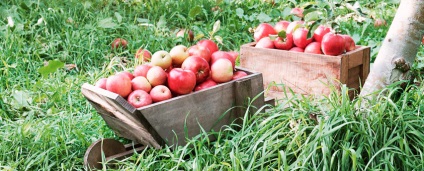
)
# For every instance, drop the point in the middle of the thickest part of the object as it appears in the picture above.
(366, 64)
(356, 57)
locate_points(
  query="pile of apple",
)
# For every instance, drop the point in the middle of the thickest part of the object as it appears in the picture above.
(293, 36)
(180, 71)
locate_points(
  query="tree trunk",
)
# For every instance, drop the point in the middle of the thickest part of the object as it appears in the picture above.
(399, 48)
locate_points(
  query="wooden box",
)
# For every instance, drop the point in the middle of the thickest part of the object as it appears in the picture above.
(305, 73)
(172, 121)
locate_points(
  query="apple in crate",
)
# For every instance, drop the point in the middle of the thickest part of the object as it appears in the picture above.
(141, 70)
(101, 83)
(222, 70)
(284, 43)
(350, 43)
(314, 47)
(263, 30)
(297, 49)
(239, 74)
(178, 54)
(199, 66)
(202, 51)
(209, 44)
(181, 81)
(143, 55)
(139, 98)
(320, 32)
(160, 93)
(293, 26)
(265, 42)
(141, 83)
(300, 38)
(127, 74)
(222, 54)
(281, 26)
(161, 58)
(205, 84)
(119, 84)
(333, 44)
(234, 54)
(156, 76)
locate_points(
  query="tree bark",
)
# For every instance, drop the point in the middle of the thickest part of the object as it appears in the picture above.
(399, 48)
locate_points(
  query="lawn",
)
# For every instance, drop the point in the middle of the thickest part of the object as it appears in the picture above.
(48, 49)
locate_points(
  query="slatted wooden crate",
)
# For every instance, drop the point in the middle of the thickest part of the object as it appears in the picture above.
(304, 73)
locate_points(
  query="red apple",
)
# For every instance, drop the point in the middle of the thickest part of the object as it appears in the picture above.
(263, 30)
(234, 54)
(333, 44)
(222, 70)
(293, 26)
(300, 38)
(141, 83)
(156, 76)
(205, 84)
(119, 84)
(314, 47)
(281, 25)
(265, 42)
(143, 55)
(139, 98)
(198, 66)
(202, 51)
(379, 22)
(185, 33)
(297, 49)
(160, 93)
(422, 41)
(297, 12)
(101, 83)
(350, 43)
(222, 54)
(118, 43)
(285, 43)
(320, 32)
(178, 54)
(127, 74)
(239, 74)
(141, 70)
(181, 81)
(161, 58)
(209, 44)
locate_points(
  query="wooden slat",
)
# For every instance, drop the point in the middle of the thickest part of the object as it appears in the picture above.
(366, 64)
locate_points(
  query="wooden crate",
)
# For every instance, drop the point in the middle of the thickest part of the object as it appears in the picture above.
(172, 121)
(304, 73)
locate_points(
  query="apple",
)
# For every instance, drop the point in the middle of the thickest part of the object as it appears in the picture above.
(178, 54)
(238, 74)
(300, 38)
(209, 44)
(297, 12)
(379, 22)
(156, 76)
(101, 83)
(320, 32)
(294, 26)
(265, 42)
(139, 98)
(222, 70)
(198, 66)
(205, 84)
(281, 25)
(422, 41)
(185, 33)
(297, 49)
(234, 54)
(141, 83)
(119, 43)
(141, 70)
(202, 51)
(263, 30)
(127, 74)
(160, 93)
(333, 44)
(181, 81)
(284, 43)
(119, 84)
(161, 58)
(222, 54)
(350, 43)
(143, 55)
(314, 47)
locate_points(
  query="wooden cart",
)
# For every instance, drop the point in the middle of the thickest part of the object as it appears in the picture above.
(165, 122)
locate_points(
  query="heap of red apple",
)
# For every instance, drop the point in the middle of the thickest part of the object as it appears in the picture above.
(293, 36)
(180, 71)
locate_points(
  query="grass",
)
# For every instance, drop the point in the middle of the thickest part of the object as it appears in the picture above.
(46, 124)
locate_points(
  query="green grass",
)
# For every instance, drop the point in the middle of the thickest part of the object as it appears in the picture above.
(46, 123)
